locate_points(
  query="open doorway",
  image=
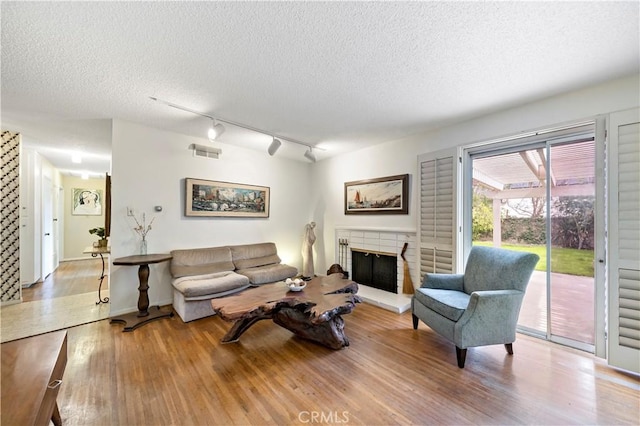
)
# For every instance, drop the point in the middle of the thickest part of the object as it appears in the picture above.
(64, 290)
(49, 150)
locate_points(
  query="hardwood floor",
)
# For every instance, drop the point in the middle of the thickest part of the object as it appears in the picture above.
(169, 372)
(69, 279)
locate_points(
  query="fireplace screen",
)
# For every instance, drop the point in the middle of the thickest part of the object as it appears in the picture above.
(373, 269)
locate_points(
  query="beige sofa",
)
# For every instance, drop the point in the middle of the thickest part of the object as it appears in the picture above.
(201, 274)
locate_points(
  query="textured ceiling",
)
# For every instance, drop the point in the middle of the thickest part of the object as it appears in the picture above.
(337, 75)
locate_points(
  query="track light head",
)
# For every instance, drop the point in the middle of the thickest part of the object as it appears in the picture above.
(215, 130)
(310, 155)
(274, 146)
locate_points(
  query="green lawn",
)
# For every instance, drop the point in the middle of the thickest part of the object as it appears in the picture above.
(563, 260)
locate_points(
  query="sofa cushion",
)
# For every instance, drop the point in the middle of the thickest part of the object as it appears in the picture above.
(209, 284)
(258, 261)
(200, 261)
(268, 273)
(450, 304)
(250, 255)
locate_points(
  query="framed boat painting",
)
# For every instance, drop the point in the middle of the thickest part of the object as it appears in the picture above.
(385, 195)
(224, 199)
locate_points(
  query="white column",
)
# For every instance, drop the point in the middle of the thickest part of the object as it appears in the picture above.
(497, 230)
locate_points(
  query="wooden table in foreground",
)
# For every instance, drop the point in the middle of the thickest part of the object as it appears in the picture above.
(143, 316)
(32, 370)
(313, 313)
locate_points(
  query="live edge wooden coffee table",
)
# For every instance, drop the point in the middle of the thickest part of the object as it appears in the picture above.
(313, 313)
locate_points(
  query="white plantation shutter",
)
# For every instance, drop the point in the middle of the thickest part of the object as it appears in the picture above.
(629, 309)
(624, 241)
(437, 212)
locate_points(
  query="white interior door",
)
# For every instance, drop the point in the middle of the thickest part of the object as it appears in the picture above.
(58, 198)
(47, 227)
(624, 241)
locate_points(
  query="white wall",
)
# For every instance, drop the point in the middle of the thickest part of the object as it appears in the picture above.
(149, 167)
(327, 205)
(31, 222)
(76, 228)
(398, 157)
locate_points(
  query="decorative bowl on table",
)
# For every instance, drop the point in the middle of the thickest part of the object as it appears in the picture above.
(295, 285)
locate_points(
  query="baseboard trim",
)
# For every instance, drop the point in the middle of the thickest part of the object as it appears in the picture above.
(70, 259)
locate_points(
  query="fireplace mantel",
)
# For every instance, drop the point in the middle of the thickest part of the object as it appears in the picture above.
(410, 231)
(389, 240)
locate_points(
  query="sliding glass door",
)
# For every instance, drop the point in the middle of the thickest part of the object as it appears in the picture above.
(539, 196)
(572, 241)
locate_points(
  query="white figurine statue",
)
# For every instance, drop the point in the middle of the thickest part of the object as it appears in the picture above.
(307, 250)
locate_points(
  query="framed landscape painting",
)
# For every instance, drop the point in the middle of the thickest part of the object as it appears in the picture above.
(225, 199)
(386, 195)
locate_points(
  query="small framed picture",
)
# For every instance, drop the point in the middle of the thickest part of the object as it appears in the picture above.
(86, 202)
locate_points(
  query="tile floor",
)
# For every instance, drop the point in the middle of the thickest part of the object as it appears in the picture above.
(42, 316)
(66, 298)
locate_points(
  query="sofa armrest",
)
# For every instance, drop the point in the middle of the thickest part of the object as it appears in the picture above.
(490, 318)
(444, 281)
(491, 303)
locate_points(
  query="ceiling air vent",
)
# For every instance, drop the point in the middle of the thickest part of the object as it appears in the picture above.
(205, 151)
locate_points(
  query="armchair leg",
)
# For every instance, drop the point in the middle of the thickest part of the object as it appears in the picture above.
(461, 354)
(415, 321)
(509, 348)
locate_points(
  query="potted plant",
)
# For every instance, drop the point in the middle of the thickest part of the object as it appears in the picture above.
(99, 231)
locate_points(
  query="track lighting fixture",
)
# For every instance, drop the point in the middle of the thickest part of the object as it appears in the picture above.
(275, 144)
(310, 155)
(216, 129)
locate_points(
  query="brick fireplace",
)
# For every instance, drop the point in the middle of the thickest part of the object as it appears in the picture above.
(379, 242)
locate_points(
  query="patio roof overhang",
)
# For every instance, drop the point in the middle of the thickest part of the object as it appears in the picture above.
(523, 174)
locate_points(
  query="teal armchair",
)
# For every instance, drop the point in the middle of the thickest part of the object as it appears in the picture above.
(479, 307)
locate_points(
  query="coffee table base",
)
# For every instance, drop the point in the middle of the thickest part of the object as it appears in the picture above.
(329, 333)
